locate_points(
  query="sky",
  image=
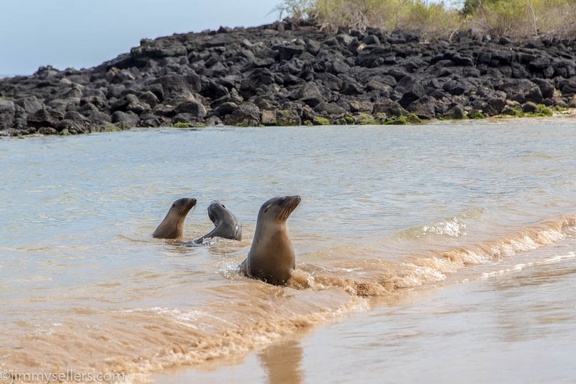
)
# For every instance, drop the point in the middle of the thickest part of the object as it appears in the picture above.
(84, 33)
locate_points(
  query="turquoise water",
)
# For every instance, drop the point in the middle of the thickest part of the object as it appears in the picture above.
(414, 244)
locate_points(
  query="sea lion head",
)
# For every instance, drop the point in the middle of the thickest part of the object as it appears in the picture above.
(172, 226)
(278, 209)
(225, 223)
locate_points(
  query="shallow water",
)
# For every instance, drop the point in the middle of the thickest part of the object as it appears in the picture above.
(513, 326)
(442, 252)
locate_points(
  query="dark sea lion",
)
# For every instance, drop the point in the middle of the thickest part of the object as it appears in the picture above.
(271, 257)
(225, 224)
(172, 226)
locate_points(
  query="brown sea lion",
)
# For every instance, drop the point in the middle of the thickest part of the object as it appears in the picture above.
(172, 226)
(271, 257)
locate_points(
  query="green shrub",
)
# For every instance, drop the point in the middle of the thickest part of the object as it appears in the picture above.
(515, 18)
(544, 111)
(349, 119)
(521, 18)
(476, 114)
(109, 127)
(365, 119)
(400, 120)
(413, 119)
(319, 120)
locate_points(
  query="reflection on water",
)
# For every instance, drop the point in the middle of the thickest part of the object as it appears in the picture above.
(282, 363)
(388, 215)
(535, 301)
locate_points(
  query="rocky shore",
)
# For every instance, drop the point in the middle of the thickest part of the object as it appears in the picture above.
(293, 73)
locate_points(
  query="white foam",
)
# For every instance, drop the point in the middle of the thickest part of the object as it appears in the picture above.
(453, 228)
(229, 270)
(560, 258)
(420, 275)
(521, 266)
(188, 319)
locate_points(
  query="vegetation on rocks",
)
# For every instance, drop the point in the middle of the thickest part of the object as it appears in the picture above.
(495, 18)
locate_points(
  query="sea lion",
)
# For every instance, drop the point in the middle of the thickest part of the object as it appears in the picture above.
(271, 257)
(225, 224)
(172, 226)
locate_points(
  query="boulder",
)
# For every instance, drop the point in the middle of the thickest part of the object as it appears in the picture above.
(287, 117)
(29, 104)
(410, 93)
(268, 117)
(494, 106)
(390, 108)
(424, 108)
(192, 107)
(454, 111)
(157, 49)
(99, 119)
(149, 98)
(329, 109)
(351, 88)
(148, 119)
(71, 126)
(546, 87)
(361, 106)
(309, 94)
(568, 87)
(125, 120)
(519, 89)
(45, 117)
(246, 115)
(529, 107)
(174, 86)
(286, 52)
(7, 112)
(456, 86)
(225, 109)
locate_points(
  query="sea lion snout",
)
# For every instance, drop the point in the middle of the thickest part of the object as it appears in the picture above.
(184, 205)
(290, 201)
(282, 206)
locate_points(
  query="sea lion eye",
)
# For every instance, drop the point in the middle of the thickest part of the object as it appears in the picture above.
(223, 206)
(266, 209)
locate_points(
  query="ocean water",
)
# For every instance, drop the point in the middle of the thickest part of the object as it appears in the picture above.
(436, 253)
